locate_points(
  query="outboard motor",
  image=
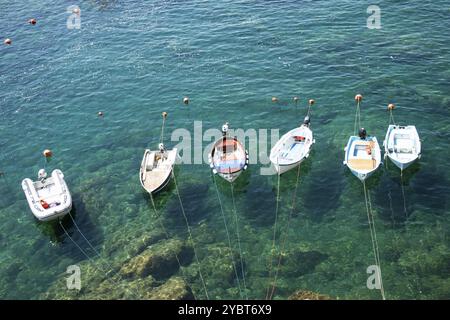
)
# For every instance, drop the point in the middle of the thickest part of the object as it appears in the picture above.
(225, 129)
(362, 133)
(42, 175)
(306, 121)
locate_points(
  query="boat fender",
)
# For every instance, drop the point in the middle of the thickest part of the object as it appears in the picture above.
(211, 166)
(245, 167)
(214, 171)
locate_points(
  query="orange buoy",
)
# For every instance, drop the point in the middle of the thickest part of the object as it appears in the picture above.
(7, 41)
(47, 153)
(391, 106)
(358, 97)
(164, 114)
(100, 114)
(32, 21)
(186, 100)
(274, 99)
(311, 102)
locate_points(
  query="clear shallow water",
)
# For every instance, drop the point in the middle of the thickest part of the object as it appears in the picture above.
(133, 61)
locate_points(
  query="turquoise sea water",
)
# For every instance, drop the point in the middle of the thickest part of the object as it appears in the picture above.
(132, 60)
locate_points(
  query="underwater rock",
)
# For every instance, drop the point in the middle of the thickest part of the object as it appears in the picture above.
(308, 295)
(133, 244)
(297, 262)
(220, 263)
(174, 289)
(158, 260)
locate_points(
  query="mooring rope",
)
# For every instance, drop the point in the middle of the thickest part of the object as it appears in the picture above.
(93, 262)
(373, 237)
(274, 232)
(357, 117)
(391, 117)
(159, 219)
(161, 139)
(228, 237)
(239, 240)
(190, 235)
(88, 242)
(285, 234)
(403, 194)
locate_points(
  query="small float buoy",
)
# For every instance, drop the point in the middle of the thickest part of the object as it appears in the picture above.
(47, 153)
(76, 10)
(358, 97)
(7, 41)
(164, 114)
(186, 100)
(296, 99)
(391, 106)
(311, 102)
(274, 99)
(100, 114)
(32, 21)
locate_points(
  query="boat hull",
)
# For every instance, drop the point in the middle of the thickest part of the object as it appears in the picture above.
(61, 195)
(228, 165)
(155, 180)
(411, 142)
(289, 153)
(361, 163)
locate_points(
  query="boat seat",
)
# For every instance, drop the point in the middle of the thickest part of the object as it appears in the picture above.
(362, 164)
(150, 163)
(404, 146)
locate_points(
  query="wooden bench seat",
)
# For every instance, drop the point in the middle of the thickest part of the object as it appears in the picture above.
(362, 164)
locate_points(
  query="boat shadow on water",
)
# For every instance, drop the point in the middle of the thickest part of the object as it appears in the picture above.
(396, 197)
(57, 233)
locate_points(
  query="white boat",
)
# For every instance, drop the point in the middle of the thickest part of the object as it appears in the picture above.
(292, 148)
(228, 157)
(156, 168)
(402, 145)
(48, 198)
(362, 155)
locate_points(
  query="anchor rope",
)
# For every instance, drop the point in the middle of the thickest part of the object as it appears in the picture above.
(391, 117)
(286, 233)
(357, 117)
(228, 237)
(88, 242)
(373, 236)
(93, 262)
(274, 231)
(190, 236)
(161, 139)
(159, 219)
(403, 194)
(239, 240)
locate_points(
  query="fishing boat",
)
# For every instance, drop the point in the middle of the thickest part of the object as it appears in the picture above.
(362, 155)
(156, 168)
(292, 148)
(228, 157)
(48, 197)
(157, 165)
(402, 145)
